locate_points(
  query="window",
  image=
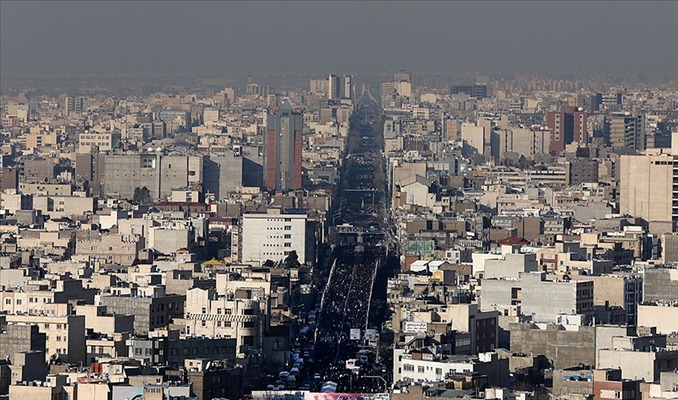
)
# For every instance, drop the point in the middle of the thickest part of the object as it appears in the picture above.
(420, 369)
(288, 236)
(228, 311)
(288, 228)
(288, 244)
(18, 302)
(8, 301)
(218, 311)
(408, 367)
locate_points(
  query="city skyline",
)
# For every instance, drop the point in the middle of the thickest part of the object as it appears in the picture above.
(338, 200)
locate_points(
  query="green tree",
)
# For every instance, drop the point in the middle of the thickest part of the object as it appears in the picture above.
(142, 195)
(292, 260)
(269, 263)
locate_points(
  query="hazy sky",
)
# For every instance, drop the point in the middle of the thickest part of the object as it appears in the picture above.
(172, 36)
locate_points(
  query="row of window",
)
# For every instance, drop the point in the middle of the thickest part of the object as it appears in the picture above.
(286, 236)
(93, 349)
(279, 228)
(421, 369)
(186, 351)
(8, 301)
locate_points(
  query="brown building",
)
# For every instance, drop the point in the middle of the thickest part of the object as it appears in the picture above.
(566, 126)
(608, 384)
(215, 381)
(282, 148)
(9, 178)
(582, 170)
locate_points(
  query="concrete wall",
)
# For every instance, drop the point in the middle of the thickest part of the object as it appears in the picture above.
(149, 313)
(665, 319)
(65, 335)
(638, 365)
(575, 297)
(121, 174)
(660, 284)
(21, 338)
(564, 348)
(223, 174)
(511, 266)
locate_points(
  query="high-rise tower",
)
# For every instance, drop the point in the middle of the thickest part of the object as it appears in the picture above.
(282, 147)
(627, 131)
(347, 87)
(566, 126)
(334, 87)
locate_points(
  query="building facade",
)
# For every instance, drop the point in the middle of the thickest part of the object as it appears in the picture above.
(282, 148)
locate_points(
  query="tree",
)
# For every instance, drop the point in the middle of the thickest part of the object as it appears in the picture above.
(292, 260)
(142, 195)
(269, 263)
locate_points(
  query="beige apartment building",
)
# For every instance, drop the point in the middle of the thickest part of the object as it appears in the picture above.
(664, 317)
(65, 334)
(211, 315)
(90, 141)
(647, 188)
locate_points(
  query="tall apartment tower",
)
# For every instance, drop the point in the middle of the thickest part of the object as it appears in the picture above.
(347, 87)
(69, 104)
(566, 126)
(648, 187)
(74, 104)
(282, 147)
(334, 87)
(627, 131)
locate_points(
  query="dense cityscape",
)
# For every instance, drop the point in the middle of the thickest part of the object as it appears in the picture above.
(395, 235)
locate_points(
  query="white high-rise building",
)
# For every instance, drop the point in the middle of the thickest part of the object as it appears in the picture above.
(273, 236)
(334, 87)
(347, 87)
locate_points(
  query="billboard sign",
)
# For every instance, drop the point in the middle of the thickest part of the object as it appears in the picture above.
(415, 326)
(333, 396)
